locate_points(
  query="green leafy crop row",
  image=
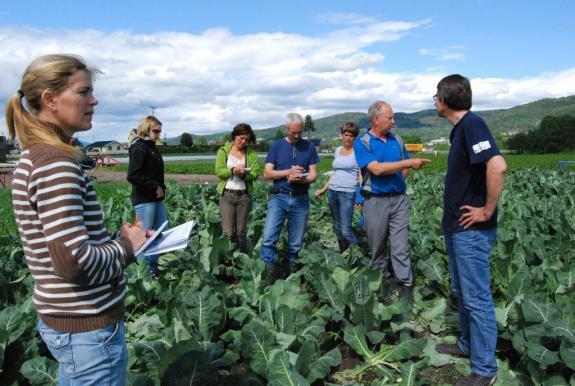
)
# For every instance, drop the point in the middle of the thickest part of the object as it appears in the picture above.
(212, 320)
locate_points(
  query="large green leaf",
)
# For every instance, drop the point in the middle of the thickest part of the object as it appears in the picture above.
(147, 326)
(205, 311)
(284, 319)
(565, 281)
(307, 352)
(174, 353)
(403, 350)
(290, 293)
(542, 355)
(436, 310)
(267, 307)
(433, 269)
(560, 328)
(409, 372)
(180, 332)
(313, 329)
(257, 343)
(536, 312)
(321, 366)
(509, 377)
(12, 321)
(364, 314)
(284, 341)
(567, 353)
(40, 371)
(242, 314)
(282, 372)
(387, 312)
(252, 282)
(435, 358)
(520, 285)
(329, 293)
(354, 336)
(341, 277)
(361, 293)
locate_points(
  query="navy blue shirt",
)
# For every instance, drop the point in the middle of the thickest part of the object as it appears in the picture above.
(284, 155)
(472, 145)
(380, 151)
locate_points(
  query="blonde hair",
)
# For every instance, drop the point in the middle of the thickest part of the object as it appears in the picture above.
(146, 125)
(48, 72)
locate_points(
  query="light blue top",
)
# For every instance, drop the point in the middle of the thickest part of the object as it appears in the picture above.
(346, 172)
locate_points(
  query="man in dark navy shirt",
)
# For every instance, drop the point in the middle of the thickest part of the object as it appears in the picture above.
(474, 181)
(291, 163)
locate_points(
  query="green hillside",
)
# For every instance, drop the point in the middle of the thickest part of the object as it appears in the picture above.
(428, 125)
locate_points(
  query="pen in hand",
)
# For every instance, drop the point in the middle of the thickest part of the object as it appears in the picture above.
(137, 220)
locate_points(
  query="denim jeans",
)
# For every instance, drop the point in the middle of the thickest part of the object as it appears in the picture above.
(280, 207)
(98, 357)
(469, 253)
(341, 205)
(152, 214)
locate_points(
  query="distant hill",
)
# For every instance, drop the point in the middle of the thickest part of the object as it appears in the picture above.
(428, 125)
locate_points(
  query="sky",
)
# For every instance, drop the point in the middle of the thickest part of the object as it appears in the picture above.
(208, 65)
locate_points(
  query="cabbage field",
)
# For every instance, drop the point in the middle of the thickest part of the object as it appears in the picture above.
(212, 320)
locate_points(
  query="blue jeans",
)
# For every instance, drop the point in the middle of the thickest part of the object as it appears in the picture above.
(98, 357)
(152, 214)
(469, 253)
(341, 206)
(280, 207)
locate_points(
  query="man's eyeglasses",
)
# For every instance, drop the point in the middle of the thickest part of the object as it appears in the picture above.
(435, 97)
(294, 152)
(156, 131)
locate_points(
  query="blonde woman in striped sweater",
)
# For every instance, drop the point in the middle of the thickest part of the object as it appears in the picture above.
(77, 266)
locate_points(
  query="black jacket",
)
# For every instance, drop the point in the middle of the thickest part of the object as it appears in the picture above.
(145, 172)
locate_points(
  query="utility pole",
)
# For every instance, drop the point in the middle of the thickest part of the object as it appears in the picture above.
(153, 109)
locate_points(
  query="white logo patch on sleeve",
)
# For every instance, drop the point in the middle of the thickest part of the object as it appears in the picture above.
(479, 147)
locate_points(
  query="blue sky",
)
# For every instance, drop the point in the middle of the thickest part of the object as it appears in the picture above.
(211, 64)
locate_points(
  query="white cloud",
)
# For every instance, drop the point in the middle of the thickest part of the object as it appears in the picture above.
(209, 82)
(445, 54)
(345, 18)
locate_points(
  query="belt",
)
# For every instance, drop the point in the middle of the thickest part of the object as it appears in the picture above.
(236, 192)
(288, 192)
(368, 194)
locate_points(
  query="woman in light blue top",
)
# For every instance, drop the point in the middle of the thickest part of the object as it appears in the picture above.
(341, 187)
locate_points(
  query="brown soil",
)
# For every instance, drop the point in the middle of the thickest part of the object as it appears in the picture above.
(447, 374)
(103, 175)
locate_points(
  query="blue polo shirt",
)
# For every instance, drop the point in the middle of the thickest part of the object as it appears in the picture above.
(380, 151)
(284, 155)
(472, 145)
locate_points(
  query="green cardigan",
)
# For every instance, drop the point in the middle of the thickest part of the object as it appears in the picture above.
(224, 173)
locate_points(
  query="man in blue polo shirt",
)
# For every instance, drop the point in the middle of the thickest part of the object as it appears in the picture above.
(291, 163)
(385, 163)
(474, 181)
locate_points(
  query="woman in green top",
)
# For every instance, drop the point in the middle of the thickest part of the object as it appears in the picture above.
(237, 166)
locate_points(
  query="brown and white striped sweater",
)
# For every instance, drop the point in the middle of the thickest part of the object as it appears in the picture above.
(77, 267)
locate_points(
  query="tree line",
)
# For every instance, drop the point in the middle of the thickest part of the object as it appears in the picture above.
(554, 135)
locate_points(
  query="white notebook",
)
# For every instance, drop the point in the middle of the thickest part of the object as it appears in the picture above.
(151, 239)
(171, 240)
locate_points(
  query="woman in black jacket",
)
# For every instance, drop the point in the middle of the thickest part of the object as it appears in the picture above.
(146, 174)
